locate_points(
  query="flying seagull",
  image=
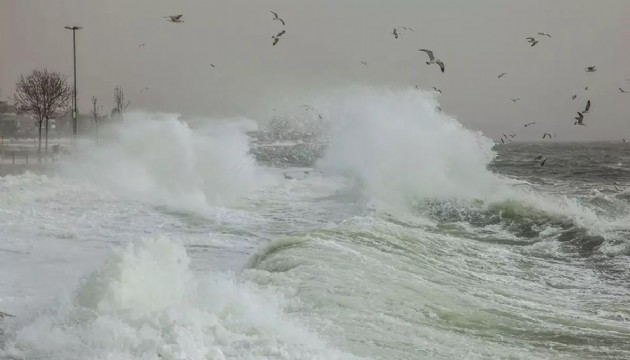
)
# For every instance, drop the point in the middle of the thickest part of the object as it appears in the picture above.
(212, 65)
(579, 119)
(364, 63)
(545, 135)
(502, 75)
(174, 18)
(622, 91)
(588, 107)
(538, 157)
(276, 37)
(432, 59)
(396, 31)
(586, 88)
(528, 124)
(508, 138)
(515, 100)
(573, 97)
(502, 141)
(438, 109)
(276, 17)
(543, 162)
(141, 45)
(532, 41)
(437, 90)
(591, 69)
(544, 34)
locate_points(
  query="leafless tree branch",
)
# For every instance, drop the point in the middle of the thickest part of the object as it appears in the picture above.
(119, 101)
(45, 95)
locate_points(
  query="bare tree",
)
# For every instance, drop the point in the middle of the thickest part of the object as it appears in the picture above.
(45, 95)
(119, 102)
(95, 113)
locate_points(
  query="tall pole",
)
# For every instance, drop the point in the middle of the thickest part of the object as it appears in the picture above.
(74, 60)
(74, 97)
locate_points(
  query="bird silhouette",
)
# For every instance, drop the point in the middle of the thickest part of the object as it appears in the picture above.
(174, 18)
(276, 17)
(432, 59)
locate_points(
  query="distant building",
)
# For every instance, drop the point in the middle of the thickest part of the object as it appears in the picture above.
(12, 122)
(63, 125)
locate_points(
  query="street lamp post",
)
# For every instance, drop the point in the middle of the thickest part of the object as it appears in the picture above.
(74, 98)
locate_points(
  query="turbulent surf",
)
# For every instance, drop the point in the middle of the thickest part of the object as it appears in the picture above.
(360, 224)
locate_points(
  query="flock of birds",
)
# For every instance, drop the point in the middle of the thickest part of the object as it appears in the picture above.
(579, 119)
(396, 33)
(177, 19)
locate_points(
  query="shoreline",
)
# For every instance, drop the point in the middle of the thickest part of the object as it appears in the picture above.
(19, 169)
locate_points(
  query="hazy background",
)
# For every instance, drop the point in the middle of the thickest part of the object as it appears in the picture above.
(326, 41)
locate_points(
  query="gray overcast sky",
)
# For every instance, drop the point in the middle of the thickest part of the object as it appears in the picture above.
(326, 41)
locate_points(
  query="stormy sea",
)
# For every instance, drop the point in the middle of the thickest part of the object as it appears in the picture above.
(359, 225)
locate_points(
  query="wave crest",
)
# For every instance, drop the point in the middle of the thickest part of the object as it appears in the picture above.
(399, 147)
(160, 159)
(146, 303)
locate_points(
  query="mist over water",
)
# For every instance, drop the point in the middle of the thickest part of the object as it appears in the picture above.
(365, 224)
(400, 148)
(160, 159)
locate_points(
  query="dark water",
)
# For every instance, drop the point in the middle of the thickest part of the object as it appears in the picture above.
(596, 174)
(577, 163)
(597, 163)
